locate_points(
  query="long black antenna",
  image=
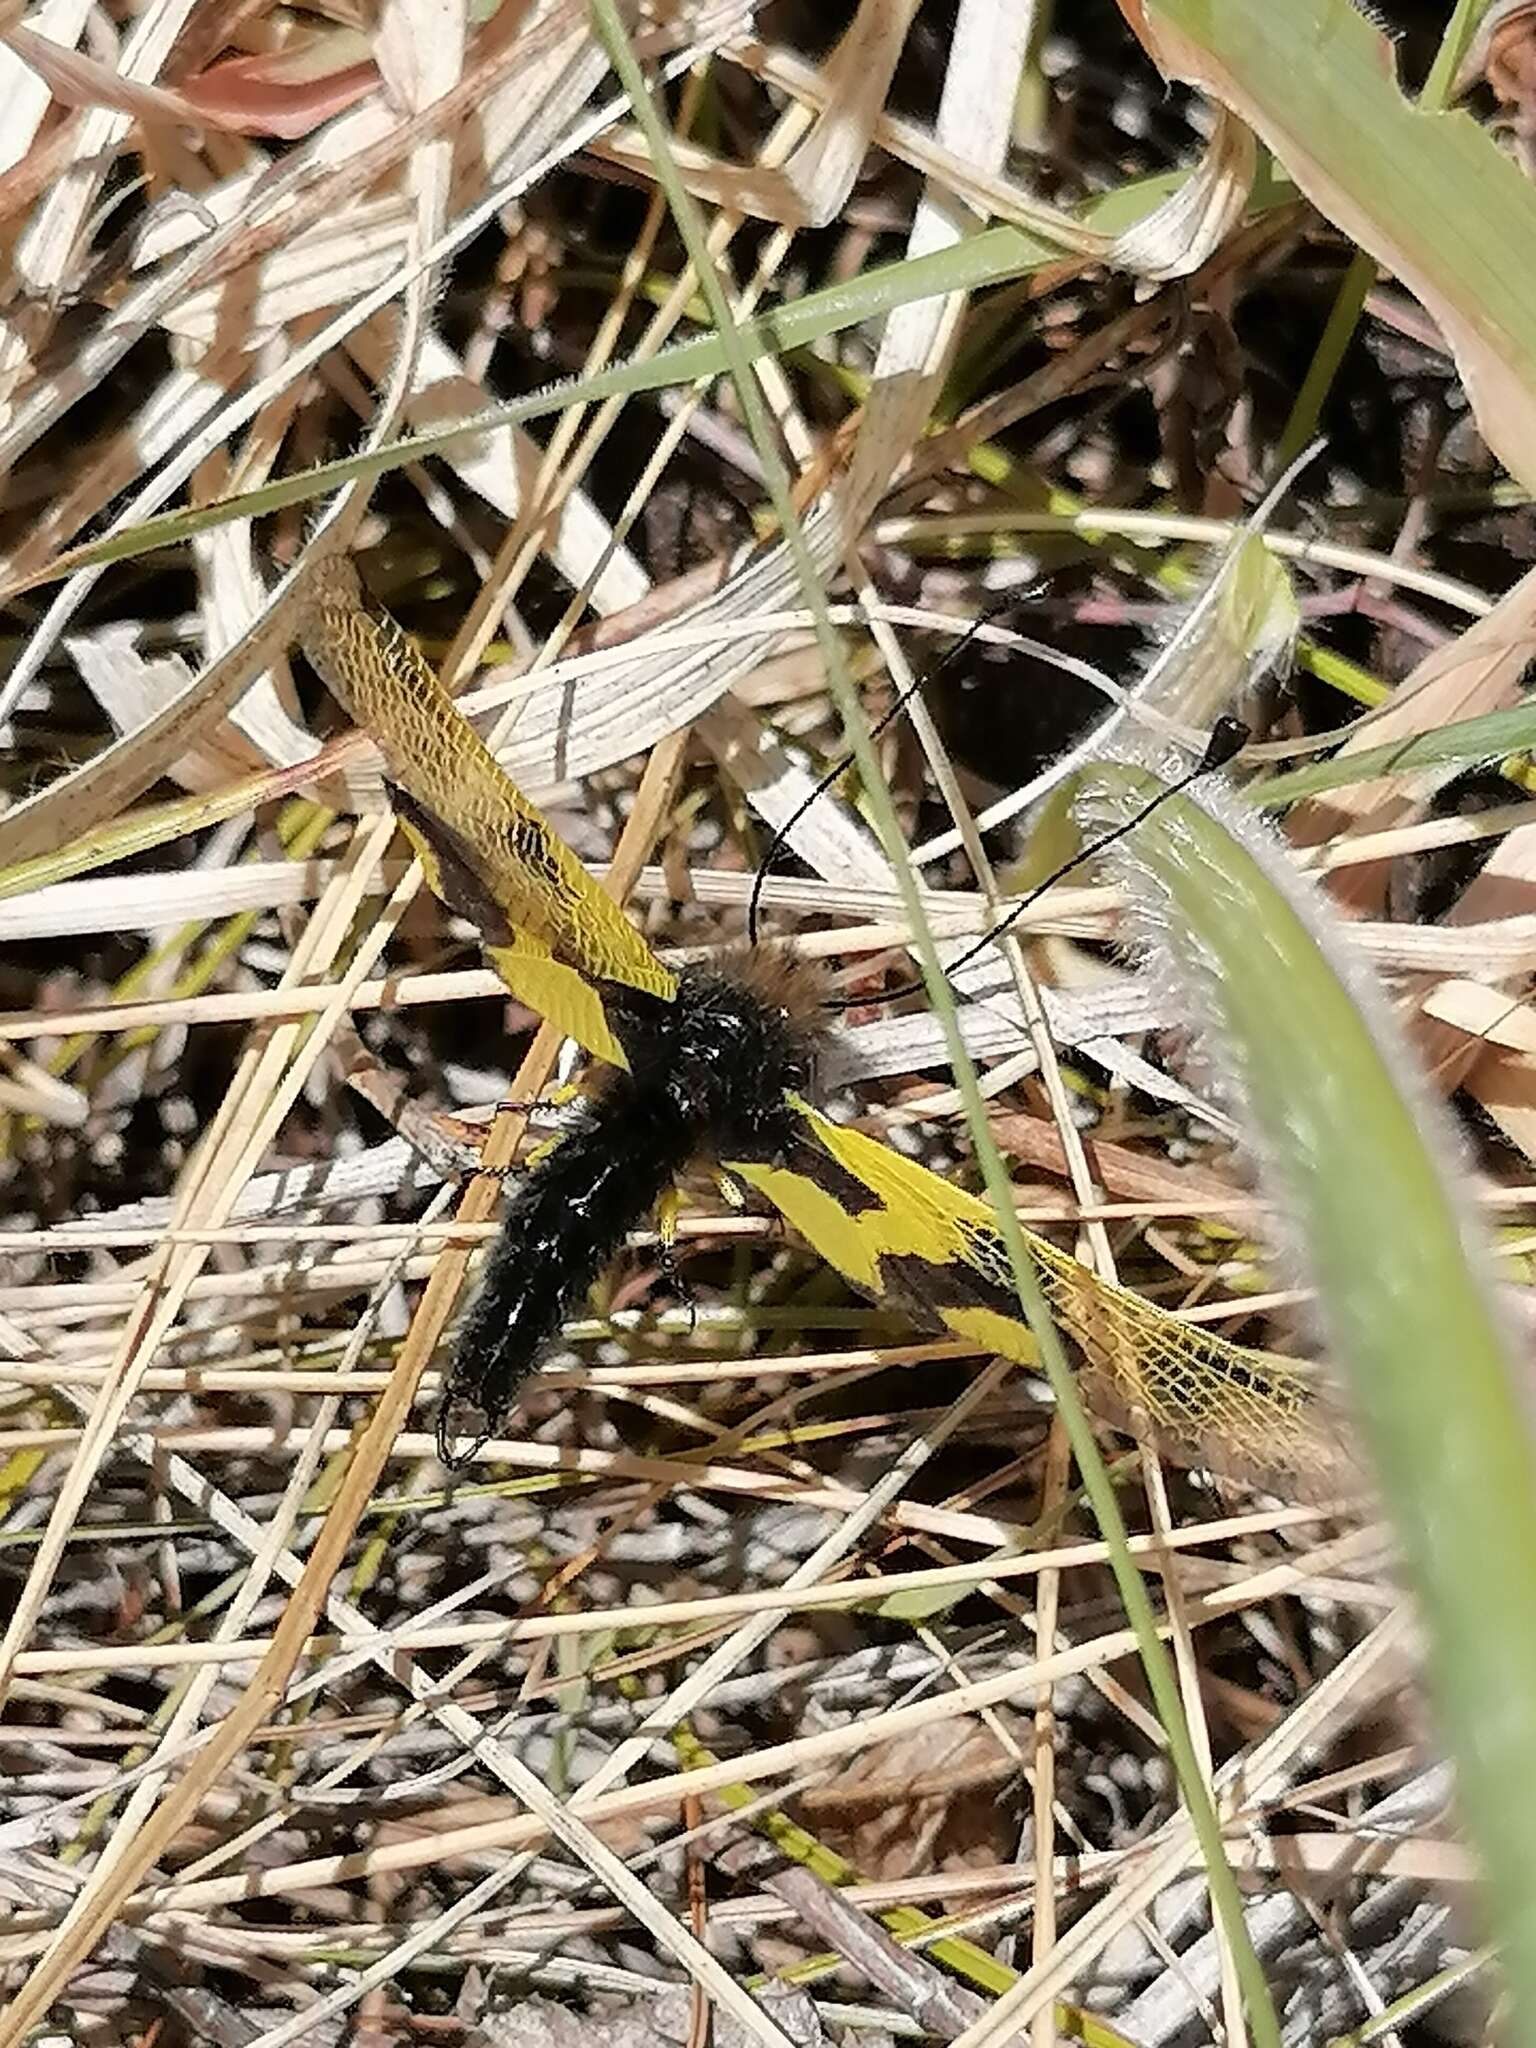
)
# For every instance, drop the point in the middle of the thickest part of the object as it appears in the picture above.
(1228, 737)
(930, 675)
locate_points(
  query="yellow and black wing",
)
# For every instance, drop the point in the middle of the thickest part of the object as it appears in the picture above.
(488, 853)
(894, 1230)
(900, 1233)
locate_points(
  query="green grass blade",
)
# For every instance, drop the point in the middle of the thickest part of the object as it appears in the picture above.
(995, 256)
(1405, 1303)
(1462, 745)
(1001, 254)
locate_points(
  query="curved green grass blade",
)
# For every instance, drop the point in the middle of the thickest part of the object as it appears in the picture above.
(1429, 195)
(1404, 1300)
(998, 255)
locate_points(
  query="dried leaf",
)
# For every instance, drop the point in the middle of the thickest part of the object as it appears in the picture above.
(288, 93)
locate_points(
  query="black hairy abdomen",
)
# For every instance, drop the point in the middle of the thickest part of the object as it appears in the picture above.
(563, 1226)
(708, 1075)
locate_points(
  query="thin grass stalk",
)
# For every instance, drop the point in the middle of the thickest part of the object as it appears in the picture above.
(1133, 1592)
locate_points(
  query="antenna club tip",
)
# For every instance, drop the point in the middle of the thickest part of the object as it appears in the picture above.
(1229, 736)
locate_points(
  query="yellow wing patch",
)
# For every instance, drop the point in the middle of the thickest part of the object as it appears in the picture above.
(917, 1214)
(487, 852)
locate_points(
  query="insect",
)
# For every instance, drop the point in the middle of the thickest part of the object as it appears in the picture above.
(715, 1063)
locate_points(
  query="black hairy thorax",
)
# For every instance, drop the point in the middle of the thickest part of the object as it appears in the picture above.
(720, 1056)
(708, 1075)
